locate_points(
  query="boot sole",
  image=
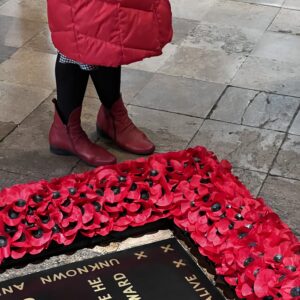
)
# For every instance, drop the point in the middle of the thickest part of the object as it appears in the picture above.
(102, 134)
(58, 151)
(63, 152)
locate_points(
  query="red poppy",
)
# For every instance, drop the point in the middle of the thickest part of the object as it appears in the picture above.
(249, 244)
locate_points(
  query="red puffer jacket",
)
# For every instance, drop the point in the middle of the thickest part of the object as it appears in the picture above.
(110, 32)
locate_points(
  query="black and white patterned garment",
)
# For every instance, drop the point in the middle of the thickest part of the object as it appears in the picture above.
(65, 60)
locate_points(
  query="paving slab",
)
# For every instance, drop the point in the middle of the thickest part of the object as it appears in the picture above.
(2, 2)
(230, 39)
(206, 65)
(245, 147)
(8, 179)
(6, 128)
(269, 75)
(152, 64)
(15, 32)
(287, 163)
(292, 4)
(232, 105)
(180, 95)
(279, 46)
(6, 52)
(251, 179)
(132, 82)
(295, 128)
(18, 101)
(276, 3)
(232, 13)
(29, 68)
(282, 195)
(258, 109)
(181, 28)
(194, 11)
(287, 21)
(42, 42)
(168, 131)
(25, 9)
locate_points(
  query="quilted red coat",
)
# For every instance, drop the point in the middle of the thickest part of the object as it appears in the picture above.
(110, 32)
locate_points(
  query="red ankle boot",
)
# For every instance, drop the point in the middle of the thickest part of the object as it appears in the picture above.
(116, 124)
(70, 139)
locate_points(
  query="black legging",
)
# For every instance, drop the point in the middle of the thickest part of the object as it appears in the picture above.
(71, 83)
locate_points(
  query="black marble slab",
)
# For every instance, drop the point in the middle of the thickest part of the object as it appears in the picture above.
(163, 270)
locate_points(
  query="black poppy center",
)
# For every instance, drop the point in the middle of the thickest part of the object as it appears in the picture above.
(216, 207)
(239, 217)
(278, 258)
(205, 180)
(72, 191)
(100, 192)
(291, 268)
(153, 173)
(56, 195)
(20, 203)
(97, 206)
(37, 233)
(13, 214)
(128, 200)
(122, 179)
(115, 189)
(55, 229)
(144, 195)
(248, 261)
(37, 198)
(133, 187)
(295, 292)
(45, 219)
(3, 241)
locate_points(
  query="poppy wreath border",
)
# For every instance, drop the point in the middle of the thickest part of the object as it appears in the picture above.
(251, 248)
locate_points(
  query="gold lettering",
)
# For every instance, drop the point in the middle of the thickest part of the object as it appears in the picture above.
(130, 293)
(94, 282)
(114, 261)
(129, 290)
(206, 293)
(107, 297)
(104, 264)
(123, 283)
(133, 297)
(59, 276)
(20, 287)
(97, 285)
(7, 290)
(191, 278)
(195, 285)
(46, 280)
(94, 267)
(83, 270)
(119, 276)
(71, 273)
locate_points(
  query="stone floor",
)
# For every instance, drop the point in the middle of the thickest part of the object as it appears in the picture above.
(230, 81)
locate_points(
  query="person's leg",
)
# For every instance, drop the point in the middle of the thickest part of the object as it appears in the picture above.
(66, 136)
(113, 119)
(107, 81)
(71, 83)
